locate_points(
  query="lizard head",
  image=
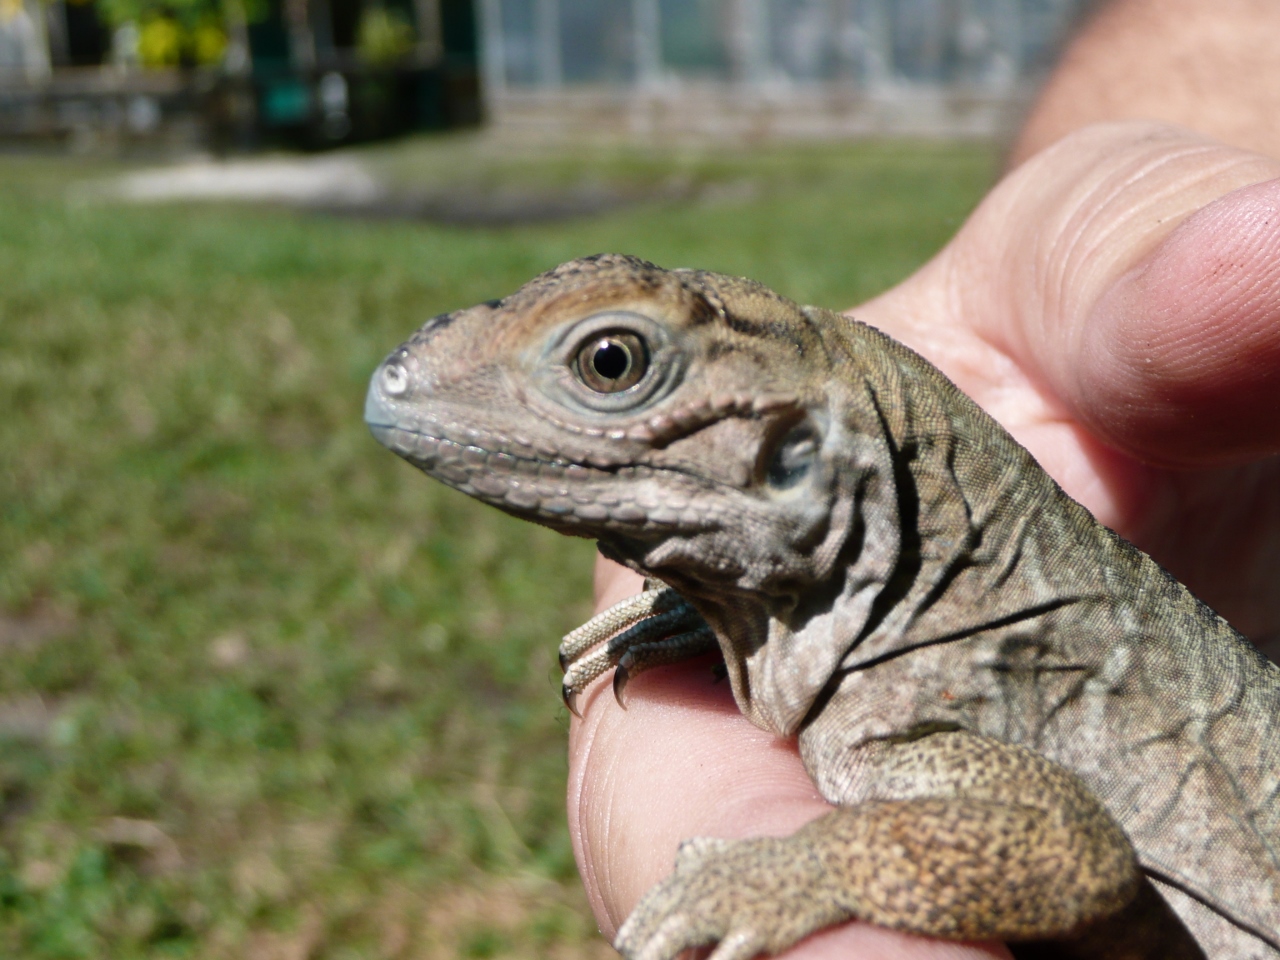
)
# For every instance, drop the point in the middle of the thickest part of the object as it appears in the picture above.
(690, 422)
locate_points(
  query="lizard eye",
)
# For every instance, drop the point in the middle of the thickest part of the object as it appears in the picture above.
(612, 362)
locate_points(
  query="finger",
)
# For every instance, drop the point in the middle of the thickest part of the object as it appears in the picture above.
(1185, 348)
(1061, 269)
(631, 798)
(682, 762)
(1046, 307)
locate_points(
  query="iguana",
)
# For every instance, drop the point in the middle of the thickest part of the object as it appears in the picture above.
(1030, 730)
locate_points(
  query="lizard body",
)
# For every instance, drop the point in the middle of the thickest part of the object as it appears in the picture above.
(968, 659)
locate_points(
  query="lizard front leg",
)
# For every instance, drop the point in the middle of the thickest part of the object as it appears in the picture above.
(652, 628)
(966, 838)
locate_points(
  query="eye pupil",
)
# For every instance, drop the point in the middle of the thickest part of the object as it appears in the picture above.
(611, 360)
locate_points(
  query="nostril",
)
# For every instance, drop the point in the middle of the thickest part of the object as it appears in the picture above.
(394, 380)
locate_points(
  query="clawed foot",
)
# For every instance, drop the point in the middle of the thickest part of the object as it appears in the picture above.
(749, 896)
(648, 630)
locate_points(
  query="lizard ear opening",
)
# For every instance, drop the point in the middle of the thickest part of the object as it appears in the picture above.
(793, 457)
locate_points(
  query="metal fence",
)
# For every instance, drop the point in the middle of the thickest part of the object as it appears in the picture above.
(982, 45)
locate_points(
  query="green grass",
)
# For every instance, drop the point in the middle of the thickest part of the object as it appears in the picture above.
(266, 690)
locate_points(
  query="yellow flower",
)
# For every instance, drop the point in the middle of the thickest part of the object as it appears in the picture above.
(160, 42)
(209, 43)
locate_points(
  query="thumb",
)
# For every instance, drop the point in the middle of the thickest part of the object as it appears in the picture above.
(1136, 277)
(1186, 346)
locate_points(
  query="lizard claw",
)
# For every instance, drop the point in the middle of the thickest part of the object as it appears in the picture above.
(621, 677)
(635, 634)
(570, 697)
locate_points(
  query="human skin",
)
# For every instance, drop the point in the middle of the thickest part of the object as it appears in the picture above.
(1208, 65)
(1115, 303)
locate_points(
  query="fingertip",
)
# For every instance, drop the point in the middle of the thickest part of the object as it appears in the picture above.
(1182, 354)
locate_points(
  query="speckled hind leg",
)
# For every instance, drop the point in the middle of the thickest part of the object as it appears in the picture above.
(647, 630)
(964, 838)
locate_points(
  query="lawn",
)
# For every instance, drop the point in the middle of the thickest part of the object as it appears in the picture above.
(267, 692)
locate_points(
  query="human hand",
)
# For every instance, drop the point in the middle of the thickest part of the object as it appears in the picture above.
(1113, 303)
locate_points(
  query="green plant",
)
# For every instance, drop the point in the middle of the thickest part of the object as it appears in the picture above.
(384, 37)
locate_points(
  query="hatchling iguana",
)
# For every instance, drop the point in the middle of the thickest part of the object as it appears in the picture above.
(1030, 730)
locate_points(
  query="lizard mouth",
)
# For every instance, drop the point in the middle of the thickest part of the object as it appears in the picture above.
(556, 492)
(578, 490)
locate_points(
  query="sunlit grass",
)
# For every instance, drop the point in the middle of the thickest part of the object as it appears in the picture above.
(266, 691)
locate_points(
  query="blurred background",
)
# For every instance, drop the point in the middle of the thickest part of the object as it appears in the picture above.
(266, 692)
(236, 74)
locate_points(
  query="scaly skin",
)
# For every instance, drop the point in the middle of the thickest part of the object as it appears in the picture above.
(1031, 730)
